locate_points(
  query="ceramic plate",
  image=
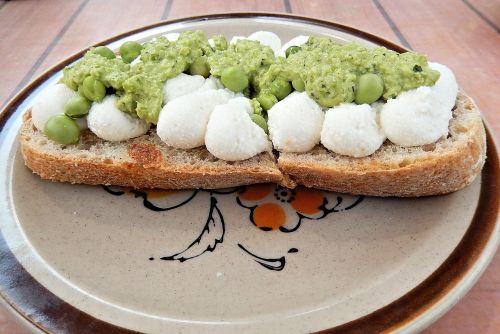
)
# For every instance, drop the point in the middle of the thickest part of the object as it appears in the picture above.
(255, 259)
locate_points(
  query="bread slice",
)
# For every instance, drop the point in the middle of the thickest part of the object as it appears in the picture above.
(443, 167)
(146, 162)
(143, 162)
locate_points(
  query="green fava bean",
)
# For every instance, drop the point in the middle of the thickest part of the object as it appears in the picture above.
(281, 88)
(77, 106)
(62, 129)
(291, 50)
(234, 79)
(370, 88)
(93, 89)
(104, 51)
(298, 85)
(199, 67)
(260, 121)
(267, 101)
(130, 50)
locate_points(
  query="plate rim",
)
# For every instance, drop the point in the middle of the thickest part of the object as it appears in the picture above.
(412, 311)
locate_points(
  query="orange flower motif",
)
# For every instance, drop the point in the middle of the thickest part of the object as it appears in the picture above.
(273, 207)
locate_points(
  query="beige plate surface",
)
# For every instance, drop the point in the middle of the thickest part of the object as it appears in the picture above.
(95, 260)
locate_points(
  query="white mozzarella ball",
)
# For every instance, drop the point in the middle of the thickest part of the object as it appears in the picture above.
(172, 36)
(446, 88)
(50, 102)
(296, 41)
(109, 123)
(181, 85)
(183, 121)
(352, 130)
(241, 102)
(267, 38)
(421, 116)
(232, 135)
(415, 118)
(295, 123)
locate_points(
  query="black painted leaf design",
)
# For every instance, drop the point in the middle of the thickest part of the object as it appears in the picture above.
(115, 191)
(276, 264)
(341, 205)
(211, 235)
(149, 205)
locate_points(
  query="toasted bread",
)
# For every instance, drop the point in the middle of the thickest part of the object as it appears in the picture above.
(146, 162)
(443, 167)
(143, 162)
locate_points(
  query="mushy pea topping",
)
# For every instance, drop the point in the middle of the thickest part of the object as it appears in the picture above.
(139, 86)
(248, 57)
(329, 72)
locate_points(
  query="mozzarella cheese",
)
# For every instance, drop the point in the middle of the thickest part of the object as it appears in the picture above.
(264, 37)
(212, 83)
(181, 85)
(50, 102)
(296, 41)
(421, 116)
(172, 36)
(446, 88)
(267, 38)
(352, 129)
(183, 121)
(241, 102)
(232, 135)
(295, 123)
(186, 84)
(109, 123)
(414, 118)
(235, 39)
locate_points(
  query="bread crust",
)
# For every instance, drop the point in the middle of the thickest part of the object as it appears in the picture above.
(145, 162)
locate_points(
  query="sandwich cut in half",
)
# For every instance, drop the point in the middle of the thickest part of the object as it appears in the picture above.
(146, 162)
(196, 121)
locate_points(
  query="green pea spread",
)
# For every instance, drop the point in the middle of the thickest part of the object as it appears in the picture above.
(329, 72)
